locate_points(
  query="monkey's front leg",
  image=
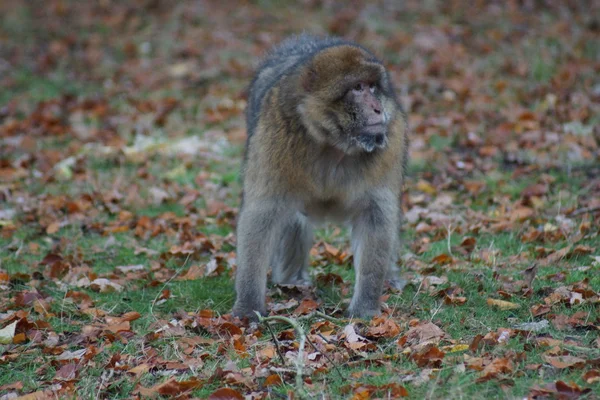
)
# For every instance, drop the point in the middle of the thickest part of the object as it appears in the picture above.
(258, 225)
(374, 242)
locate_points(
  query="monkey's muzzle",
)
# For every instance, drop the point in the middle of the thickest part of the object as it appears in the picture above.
(372, 137)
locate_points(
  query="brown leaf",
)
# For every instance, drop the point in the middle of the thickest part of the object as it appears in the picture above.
(529, 275)
(307, 306)
(475, 343)
(231, 329)
(442, 259)
(592, 376)
(18, 385)
(570, 389)
(53, 228)
(468, 244)
(540, 309)
(581, 250)
(195, 272)
(140, 369)
(556, 256)
(562, 362)
(520, 214)
(496, 367)
(170, 388)
(226, 394)
(383, 327)
(39, 395)
(26, 298)
(427, 332)
(431, 357)
(67, 372)
(273, 380)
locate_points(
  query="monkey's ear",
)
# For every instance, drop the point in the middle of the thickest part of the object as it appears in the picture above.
(308, 78)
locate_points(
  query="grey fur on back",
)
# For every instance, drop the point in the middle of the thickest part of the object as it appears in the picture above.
(282, 60)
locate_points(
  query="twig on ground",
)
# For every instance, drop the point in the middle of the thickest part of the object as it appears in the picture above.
(584, 210)
(412, 303)
(276, 343)
(320, 314)
(300, 358)
(326, 357)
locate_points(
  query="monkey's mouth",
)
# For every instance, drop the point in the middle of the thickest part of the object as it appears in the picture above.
(370, 141)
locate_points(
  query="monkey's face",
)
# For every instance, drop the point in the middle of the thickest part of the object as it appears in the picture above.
(347, 103)
(364, 120)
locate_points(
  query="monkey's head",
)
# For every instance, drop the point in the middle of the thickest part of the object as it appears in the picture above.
(348, 101)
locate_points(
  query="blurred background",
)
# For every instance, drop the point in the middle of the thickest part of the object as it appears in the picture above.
(121, 137)
(493, 90)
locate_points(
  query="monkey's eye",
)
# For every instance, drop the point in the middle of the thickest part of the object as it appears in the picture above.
(358, 87)
(372, 87)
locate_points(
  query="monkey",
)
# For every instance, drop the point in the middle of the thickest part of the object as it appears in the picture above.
(326, 140)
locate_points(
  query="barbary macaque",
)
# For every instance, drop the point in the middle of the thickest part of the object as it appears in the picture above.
(327, 140)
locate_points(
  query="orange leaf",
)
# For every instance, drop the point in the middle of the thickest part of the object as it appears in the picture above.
(226, 394)
(306, 307)
(273, 380)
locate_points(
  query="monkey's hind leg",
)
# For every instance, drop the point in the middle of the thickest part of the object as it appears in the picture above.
(291, 255)
(259, 224)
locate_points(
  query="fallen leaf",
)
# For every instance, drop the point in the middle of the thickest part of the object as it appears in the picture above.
(455, 348)
(71, 355)
(562, 362)
(67, 372)
(39, 395)
(18, 385)
(8, 333)
(424, 333)
(431, 357)
(306, 307)
(53, 228)
(496, 367)
(503, 305)
(426, 187)
(383, 327)
(273, 380)
(592, 376)
(351, 335)
(226, 394)
(529, 275)
(104, 285)
(140, 369)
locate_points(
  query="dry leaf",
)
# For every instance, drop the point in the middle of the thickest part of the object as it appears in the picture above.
(226, 394)
(503, 305)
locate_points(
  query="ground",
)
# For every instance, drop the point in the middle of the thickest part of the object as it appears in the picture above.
(121, 136)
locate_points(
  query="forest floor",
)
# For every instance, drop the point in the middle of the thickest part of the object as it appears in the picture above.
(121, 136)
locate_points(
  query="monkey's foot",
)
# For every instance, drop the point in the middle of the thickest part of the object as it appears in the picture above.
(297, 282)
(363, 312)
(397, 283)
(248, 311)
